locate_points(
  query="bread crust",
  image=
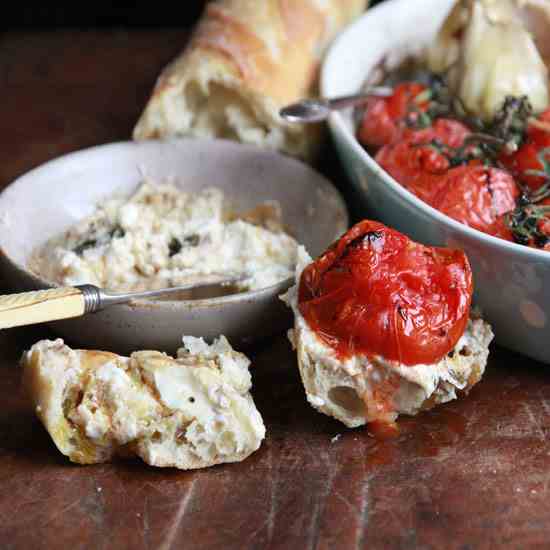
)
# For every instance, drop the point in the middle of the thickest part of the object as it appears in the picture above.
(252, 58)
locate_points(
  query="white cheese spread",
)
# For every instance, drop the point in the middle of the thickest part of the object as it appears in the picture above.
(163, 237)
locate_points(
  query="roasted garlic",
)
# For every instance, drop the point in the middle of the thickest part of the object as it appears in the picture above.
(488, 53)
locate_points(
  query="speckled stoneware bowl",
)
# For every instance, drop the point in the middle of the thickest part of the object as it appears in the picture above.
(512, 283)
(50, 198)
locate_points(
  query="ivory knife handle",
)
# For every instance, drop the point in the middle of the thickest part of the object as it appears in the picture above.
(29, 308)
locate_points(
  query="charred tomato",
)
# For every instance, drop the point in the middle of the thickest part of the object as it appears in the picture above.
(533, 155)
(477, 196)
(377, 292)
(384, 118)
(421, 161)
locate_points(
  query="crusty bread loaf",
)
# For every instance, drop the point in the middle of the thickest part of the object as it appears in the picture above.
(365, 389)
(190, 412)
(246, 60)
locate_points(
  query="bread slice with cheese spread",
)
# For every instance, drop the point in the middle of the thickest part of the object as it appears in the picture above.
(187, 412)
(360, 389)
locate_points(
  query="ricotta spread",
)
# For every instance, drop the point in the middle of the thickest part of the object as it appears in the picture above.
(163, 237)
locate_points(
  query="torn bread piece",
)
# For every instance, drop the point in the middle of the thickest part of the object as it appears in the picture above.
(362, 389)
(187, 412)
(243, 63)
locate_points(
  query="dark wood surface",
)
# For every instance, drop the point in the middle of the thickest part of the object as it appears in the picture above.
(472, 474)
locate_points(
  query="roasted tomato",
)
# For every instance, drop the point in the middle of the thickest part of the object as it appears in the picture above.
(377, 292)
(538, 134)
(444, 130)
(501, 229)
(418, 162)
(532, 155)
(384, 118)
(419, 168)
(477, 196)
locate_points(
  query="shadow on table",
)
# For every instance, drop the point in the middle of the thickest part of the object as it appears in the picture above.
(25, 442)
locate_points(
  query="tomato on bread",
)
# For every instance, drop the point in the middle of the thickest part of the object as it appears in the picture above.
(377, 292)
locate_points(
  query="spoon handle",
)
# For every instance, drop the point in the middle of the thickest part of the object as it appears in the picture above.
(39, 306)
(42, 306)
(343, 102)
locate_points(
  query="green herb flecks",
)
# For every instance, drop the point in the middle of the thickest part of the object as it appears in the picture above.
(511, 121)
(192, 240)
(117, 232)
(84, 245)
(542, 192)
(524, 223)
(174, 247)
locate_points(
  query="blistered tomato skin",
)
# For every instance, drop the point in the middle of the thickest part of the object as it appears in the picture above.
(526, 158)
(416, 163)
(376, 292)
(538, 135)
(444, 130)
(418, 168)
(383, 118)
(477, 196)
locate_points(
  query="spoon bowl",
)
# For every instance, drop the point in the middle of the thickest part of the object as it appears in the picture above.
(308, 111)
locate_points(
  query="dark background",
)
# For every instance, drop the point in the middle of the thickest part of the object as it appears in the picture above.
(83, 15)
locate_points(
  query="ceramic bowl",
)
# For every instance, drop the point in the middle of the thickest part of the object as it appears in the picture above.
(52, 197)
(512, 283)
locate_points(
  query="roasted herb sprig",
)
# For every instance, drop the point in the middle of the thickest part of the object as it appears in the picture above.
(504, 134)
(526, 221)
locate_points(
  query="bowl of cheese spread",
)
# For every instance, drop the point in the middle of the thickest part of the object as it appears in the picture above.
(136, 216)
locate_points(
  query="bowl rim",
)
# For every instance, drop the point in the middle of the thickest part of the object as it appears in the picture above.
(339, 127)
(147, 304)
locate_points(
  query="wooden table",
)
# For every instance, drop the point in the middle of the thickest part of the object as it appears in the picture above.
(473, 474)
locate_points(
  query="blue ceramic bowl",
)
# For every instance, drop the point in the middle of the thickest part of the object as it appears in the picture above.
(512, 282)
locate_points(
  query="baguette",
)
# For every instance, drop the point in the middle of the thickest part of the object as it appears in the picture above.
(246, 60)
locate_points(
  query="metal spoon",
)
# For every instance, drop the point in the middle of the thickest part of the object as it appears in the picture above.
(315, 110)
(40, 306)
